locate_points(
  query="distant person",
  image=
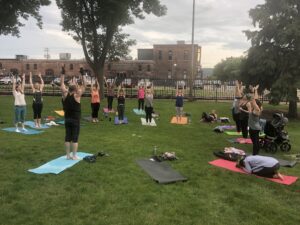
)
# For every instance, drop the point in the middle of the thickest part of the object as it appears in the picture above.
(179, 102)
(72, 109)
(20, 103)
(209, 117)
(236, 105)
(149, 103)
(37, 104)
(263, 166)
(110, 87)
(95, 101)
(121, 103)
(141, 97)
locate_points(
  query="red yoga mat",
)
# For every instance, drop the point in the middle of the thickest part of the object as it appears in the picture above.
(229, 165)
(244, 140)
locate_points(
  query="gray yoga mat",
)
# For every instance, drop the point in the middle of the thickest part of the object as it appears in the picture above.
(286, 163)
(161, 172)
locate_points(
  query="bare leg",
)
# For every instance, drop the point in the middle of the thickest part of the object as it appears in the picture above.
(74, 150)
(39, 122)
(35, 122)
(278, 176)
(67, 147)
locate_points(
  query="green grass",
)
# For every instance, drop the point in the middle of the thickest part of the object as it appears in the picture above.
(115, 190)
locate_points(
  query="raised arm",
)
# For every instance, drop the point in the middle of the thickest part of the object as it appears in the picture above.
(255, 107)
(62, 81)
(23, 83)
(42, 81)
(13, 80)
(255, 96)
(81, 89)
(30, 82)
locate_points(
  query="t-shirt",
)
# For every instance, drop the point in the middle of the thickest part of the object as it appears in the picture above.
(255, 163)
(141, 93)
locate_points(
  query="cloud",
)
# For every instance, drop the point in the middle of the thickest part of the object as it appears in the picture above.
(218, 29)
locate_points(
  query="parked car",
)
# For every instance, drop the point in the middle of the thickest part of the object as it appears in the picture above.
(8, 80)
(198, 84)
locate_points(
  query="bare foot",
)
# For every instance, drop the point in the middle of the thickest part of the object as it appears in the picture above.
(278, 176)
(75, 157)
(69, 157)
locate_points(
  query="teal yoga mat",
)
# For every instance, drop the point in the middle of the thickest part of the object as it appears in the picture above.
(139, 112)
(26, 132)
(32, 125)
(58, 165)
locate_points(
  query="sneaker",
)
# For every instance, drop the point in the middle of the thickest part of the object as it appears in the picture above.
(18, 130)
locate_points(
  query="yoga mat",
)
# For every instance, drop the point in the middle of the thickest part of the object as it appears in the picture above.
(27, 132)
(233, 133)
(227, 127)
(286, 163)
(144, 123)
(60, 112)
(288, 180)
(32, 125)
(87, 118)
(161, 172)
(184, 120)
(59, 164)
(61, 122)
(125, 121)
(108, 111)
(139, 112)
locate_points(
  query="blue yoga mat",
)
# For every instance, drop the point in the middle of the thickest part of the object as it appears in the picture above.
(61, 122)
(58, 165)
(28, 131)
(125, 121)
(32, 125)
(139, 112)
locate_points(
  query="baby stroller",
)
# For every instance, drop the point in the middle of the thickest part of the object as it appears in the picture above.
(275, 135)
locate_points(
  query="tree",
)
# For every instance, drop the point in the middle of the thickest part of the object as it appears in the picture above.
(12, 11)
(228, 69)
(96, 25)
(273, 61)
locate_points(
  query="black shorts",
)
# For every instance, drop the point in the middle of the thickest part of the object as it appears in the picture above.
(72, 130)
(268, 171)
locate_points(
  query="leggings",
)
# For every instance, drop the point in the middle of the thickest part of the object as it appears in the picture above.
(72, 130)
(141, 103)
(110, 102)
(149, 111)
(37, 110)
(268, 171)
(95, 109)
(244, 127)
(237, 121)
(254, 135)
(121, 109)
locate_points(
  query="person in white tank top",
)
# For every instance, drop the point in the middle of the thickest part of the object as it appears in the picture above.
(20, 103)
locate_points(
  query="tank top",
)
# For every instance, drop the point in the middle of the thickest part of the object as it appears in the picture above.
(121, 100)
(110, 91)
(95, 98)
(37, 97)
(253, 122)
(244, 115)
(149, 100)
(179, 101)
(19, 98)
(72, 108)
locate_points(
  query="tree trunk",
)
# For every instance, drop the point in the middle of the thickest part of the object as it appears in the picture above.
(293, 104)
(99, 74)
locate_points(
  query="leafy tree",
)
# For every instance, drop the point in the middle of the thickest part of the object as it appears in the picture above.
(228, 69)
(96, 25)
(273, 61)
(12, 11)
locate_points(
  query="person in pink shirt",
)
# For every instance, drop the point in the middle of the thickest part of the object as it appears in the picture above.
(95, 101)
(141, 97)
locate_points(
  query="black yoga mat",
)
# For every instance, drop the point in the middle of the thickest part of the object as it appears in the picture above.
(161, 172)
(286, 163)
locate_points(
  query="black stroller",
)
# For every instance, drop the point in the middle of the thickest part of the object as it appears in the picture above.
(275, 135)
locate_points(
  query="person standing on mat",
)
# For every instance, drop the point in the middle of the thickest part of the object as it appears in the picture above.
(20, 103)
(141, 97)
(121, 103)
(244, 116)
(95, 101)
(37, 104)
(263, 166)
(72, 108)
(236, 102)
(179, 102)
(149, 103)
(110, 87)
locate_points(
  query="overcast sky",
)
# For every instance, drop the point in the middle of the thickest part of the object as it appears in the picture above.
(218, 29)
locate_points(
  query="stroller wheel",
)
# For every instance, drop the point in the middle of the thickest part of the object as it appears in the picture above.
(285, 147)
(272, 147)
(262, 143)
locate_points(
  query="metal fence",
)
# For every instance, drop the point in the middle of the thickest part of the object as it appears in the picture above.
(163, 88)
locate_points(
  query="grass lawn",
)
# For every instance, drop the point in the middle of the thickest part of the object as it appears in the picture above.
(115, 190)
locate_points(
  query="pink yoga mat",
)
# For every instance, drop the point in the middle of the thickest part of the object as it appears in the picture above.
(244, 140)
(229, 165)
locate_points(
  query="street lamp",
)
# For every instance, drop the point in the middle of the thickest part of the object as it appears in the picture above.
(173, 69)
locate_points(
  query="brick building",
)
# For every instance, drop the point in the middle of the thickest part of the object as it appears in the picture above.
(163, 61)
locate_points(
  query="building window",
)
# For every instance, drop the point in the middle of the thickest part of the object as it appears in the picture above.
(160, 55)
(170, 55)
(35, 66)
(148, 68)
(71, 67)
(185, 55)
(140, 67)
(27, 67)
